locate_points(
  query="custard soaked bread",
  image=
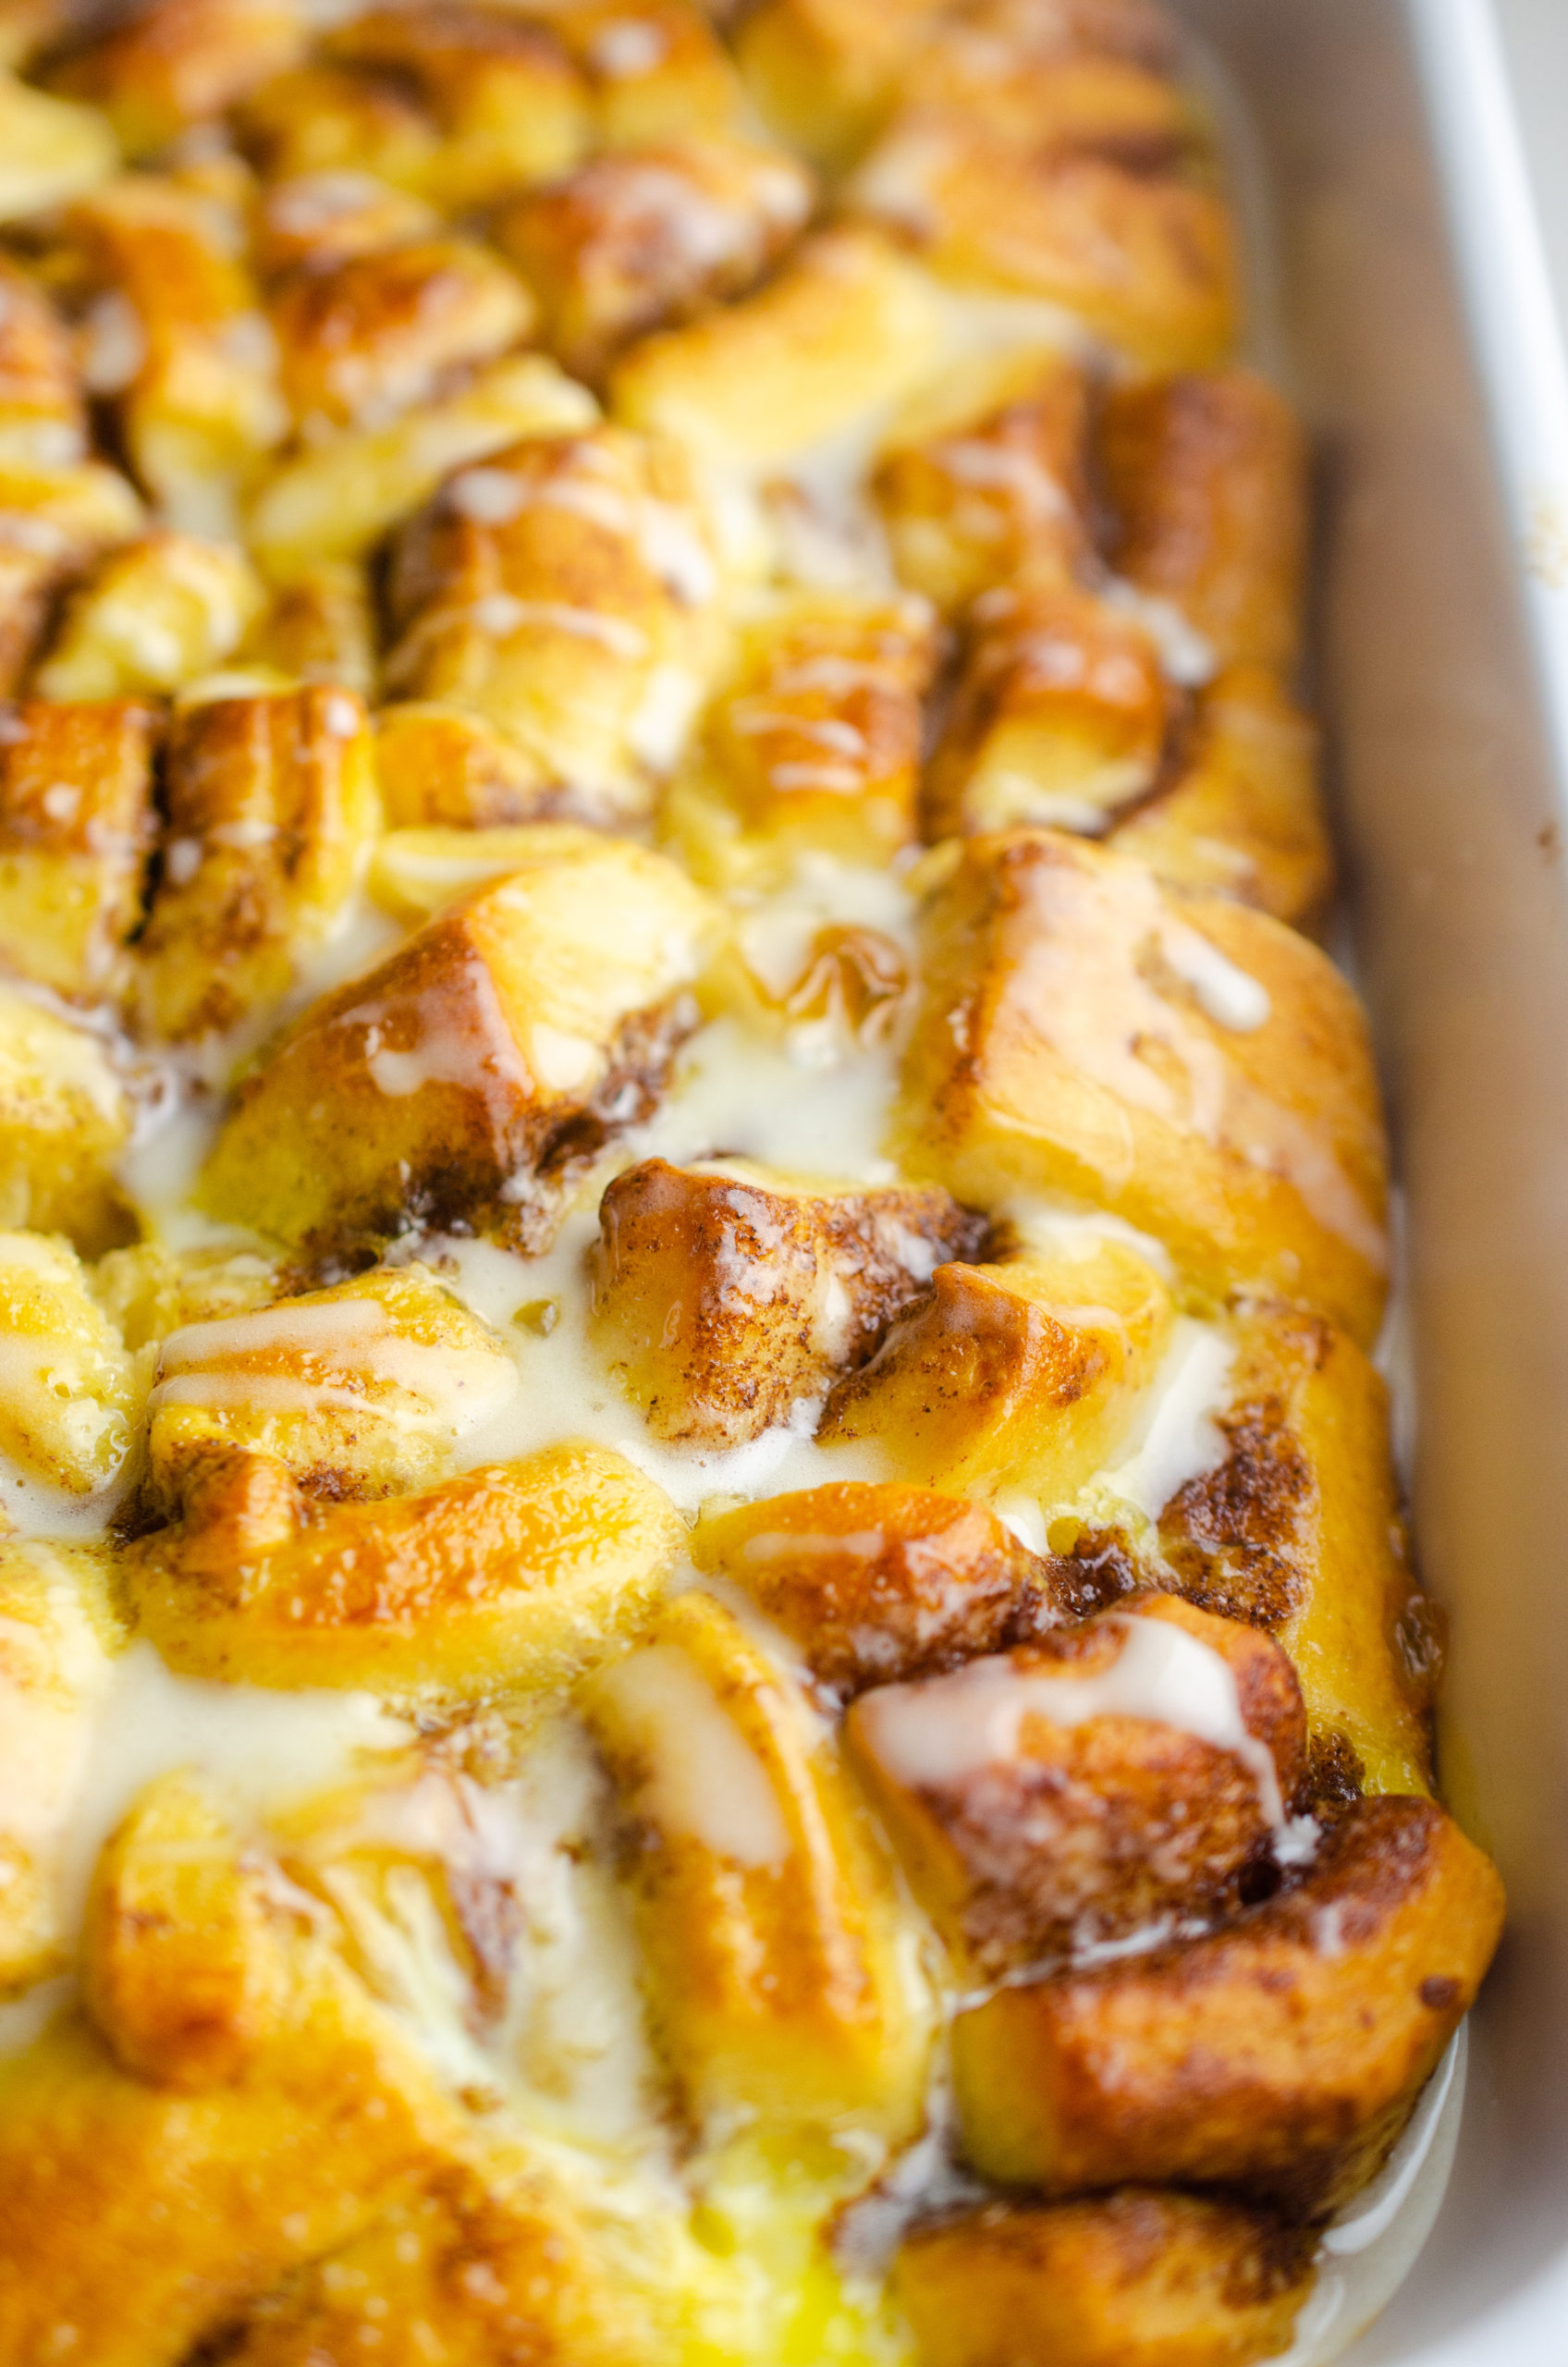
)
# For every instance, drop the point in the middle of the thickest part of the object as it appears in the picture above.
(707, 1654)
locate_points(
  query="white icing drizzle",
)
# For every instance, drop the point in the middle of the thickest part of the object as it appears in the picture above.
(1186, 656)
(1180, 1439)
(1230, 997)
(347, 1353)
(502, 614)
(948, 1728)
(705, 1783)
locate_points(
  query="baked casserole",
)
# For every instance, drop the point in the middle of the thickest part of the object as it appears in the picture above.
(707, 1654)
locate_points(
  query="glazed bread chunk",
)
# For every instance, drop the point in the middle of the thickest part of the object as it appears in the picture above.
(65, 1119)
(1109, 1780)
(271, 805)
(813, 741)
(1195, 1094)
(1136, 2278)
(1240, 810)
(766, 1909)
(367, 337)
(560, 592)
(724, 1299)
(708, 1648)
(644, 238)
(525, 1569)
(846, 325)
(159, 612)
(471, 1054)
(76, 822)
(1019, 1377)
(69, 1393)
(177, 64)
(878, 1582)
(1060, 716)
(42, 402)
(177, 343)
(982, 480)
(363, 1390)
(1297, 1529)
(1146, 262)
(1206, 479)
(217, 2029)
(1310, 2059)
(61, 1636)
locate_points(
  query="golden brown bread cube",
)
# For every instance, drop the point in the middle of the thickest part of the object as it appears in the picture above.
(363, 1390)
(271, 806)
(315, 222)
(777, 1988)
(509, 105)
(1054, 105)
(58, 1639)
(875, 1581)
(66, 515)
(157, 613)
(1021, 1378)
(1058, 717)
(822, 71)
(488, 2262)
(981, 482)
(641, 238)
(65, 1118)
(1137, 2278)
(76, 823)
(232, 2172)
(726, 1297)
(827, 71)
(363, 339)
(562, 591)
(319, 627)
(1243, 812)
(1297, 1529)
(1147, 261)
(335, 501)
(1279, 2056)
(53, 523)
(1207, 480)
(659, 74)
(174, 341)
(815, 740)
(511, 1575)
(180, 1978)
(1117, 1778)
(51, 150)
(443, 769)
(155, 69)
(1171, 1055)
(847, 324)
(501, 1042)
(68, 1394)
(43, 417)
(318, 119)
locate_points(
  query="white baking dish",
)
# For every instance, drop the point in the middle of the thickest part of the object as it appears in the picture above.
(1413, 319)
